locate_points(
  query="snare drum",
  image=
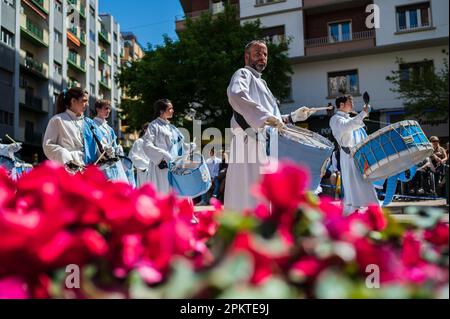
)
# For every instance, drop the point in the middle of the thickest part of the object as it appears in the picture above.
(391, 150)
(7, 163)
(306, 148)
(189, 178)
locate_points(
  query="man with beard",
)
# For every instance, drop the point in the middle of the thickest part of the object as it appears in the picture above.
(254, 110)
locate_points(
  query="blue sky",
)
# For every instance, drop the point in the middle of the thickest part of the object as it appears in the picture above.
(147, 19)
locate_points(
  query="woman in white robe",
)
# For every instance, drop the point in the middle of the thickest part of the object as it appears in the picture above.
(140, 160)
(162, 142)
(348, 132)
(69, 137)
(113, 171)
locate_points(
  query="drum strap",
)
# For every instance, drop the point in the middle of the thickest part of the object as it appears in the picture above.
(244, 125)
(346, 150)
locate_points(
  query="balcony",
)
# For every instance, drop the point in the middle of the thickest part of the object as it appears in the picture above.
(215, 8)
(309, 4)
(325, 45)
(32, 103)
(78, 34)
(41, 5)
(104, 81)
(33, 66)
(76, 62)
(103, 56)
(73, 83)
(33, 32)
(104, 34)
(79, 7)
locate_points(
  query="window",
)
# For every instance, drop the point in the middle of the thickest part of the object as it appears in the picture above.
(92, 11)
(115, 58)
(7, 37)
(91, 62)
(115, 36)
(340, 31)
(58, 6)
(416, 70)
(262, 2)
(57, 68)
(274, 35)
(6, 118)
(9, 2)
(413, 16)
(5, 77)
(92, 89)
(92, 36)
(58, 36)
(344, 82)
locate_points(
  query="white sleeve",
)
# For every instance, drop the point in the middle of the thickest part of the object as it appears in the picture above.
(240, 99)
(52, 149)
(138, 157)
(341, 124)
(155, 154)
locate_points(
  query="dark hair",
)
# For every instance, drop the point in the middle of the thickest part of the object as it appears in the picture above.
(143, 129)
(101, 103)
(65, 98)
(160, 106)
(342, 99)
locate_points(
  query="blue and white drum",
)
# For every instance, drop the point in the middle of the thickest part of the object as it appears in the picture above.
(306, 148)
(391, 150)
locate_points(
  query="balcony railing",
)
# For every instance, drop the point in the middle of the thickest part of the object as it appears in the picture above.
(33, 65)
(33, 31)
(77, 61)
(32, 102)
(73, 83)
(42, 5)
(317, 42)
(80, 34)
(104, 56)
(104, 81)
(104, 34)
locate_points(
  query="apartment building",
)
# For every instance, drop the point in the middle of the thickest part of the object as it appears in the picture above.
(132, 51)
(46, 46)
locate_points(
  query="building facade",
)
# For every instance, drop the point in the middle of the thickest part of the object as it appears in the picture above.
(132, 51)
(333, 49)
(46, 46)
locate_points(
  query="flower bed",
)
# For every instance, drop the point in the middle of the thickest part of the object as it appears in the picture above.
(130, 243)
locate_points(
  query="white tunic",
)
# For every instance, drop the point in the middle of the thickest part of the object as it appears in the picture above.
(248, 95)
(116, 172)
(157, 145)
(140, 161)
(348, 132)
(63, 138)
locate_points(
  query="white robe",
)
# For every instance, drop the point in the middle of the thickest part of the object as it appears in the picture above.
(140, 161)
(249, 96)
(63, 138)
(115, 172)
(157, 145)
(348, 132)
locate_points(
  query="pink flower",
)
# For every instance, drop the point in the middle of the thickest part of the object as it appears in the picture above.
(307, 267)
(411, 250)
(13, 288)
(375, 218)
(439, 235)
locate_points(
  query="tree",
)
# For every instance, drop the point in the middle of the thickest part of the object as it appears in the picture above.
(194, 71)
(424, 89)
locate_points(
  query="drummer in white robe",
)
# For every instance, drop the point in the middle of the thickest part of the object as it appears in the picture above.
(68, 139)
(113, 171)
(162, 143)
(358, 193)
(140, 160)
(254, 109)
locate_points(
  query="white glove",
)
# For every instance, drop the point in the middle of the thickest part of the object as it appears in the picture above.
(301, 114)
(109, 151)
(275, 122)
(14, 147)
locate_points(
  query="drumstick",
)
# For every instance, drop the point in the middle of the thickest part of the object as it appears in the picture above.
(102, 154)
(324, 108)
(10, 138)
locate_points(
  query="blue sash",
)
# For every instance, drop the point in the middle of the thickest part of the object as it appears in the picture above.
(90, 147)
(177, 142)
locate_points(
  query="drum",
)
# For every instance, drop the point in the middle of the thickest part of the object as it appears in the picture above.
(391, 150)
(305, 148)
(7, 163)
(22, 168)
(128, 168)
(189, 176)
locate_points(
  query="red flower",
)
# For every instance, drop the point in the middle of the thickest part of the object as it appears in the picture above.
(439, 235)
(13, 288)
(307, 267)
(411, 250)
(285, 188)
(375, 218)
